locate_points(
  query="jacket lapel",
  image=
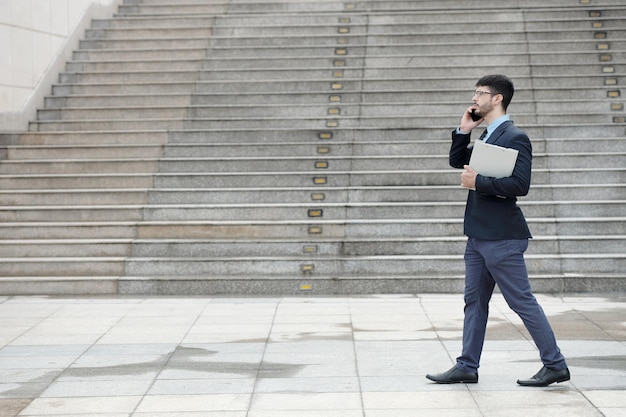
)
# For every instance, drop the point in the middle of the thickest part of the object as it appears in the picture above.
(493, 138)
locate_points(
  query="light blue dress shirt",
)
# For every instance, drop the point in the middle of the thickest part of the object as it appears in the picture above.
(494, 125)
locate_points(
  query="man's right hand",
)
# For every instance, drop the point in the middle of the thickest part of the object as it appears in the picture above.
(467, 124)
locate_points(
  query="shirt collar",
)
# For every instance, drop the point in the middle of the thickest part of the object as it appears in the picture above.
(494, 125)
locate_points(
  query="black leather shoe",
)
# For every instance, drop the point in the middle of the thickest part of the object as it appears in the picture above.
(545, 377)
(454, 376)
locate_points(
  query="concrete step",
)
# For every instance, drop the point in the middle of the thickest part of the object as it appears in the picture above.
(269, 285)
(427, 50)
(419, 43)
(140, 22)
(146, 137)
(258, 10)
(132, 44)
(272, 285)
(312, 230)
(58, 266)
(75, 181)
(321, 110)
(358, 247)
(183, 33)
(253, 101)
(372, 210)
(216, 150)
(66, 248)
(292, 123)
(320, 163)
(576, 14)
(410, 265)
(73, 197)
(119, 70)
(395, 30)
(184, 248)
(118, 100)
(316, 228)
(24, 187)
(569, 178)
(254, 194)
(326, 84)
(574, 130)
(172, 54)
(112, 151)
(571, 137)
(292, 267)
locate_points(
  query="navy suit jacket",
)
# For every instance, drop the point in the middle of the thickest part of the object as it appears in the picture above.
(491, 212)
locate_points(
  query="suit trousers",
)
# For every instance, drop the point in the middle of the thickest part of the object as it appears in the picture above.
(491, 262)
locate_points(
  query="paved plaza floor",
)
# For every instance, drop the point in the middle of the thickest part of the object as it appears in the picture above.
(361, 356)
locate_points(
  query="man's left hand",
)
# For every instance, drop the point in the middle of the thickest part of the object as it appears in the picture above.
(468, 177)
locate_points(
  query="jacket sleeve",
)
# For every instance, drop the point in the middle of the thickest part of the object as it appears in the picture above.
(518, 184)
(459, 151)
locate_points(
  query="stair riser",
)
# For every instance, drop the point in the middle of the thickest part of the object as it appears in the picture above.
(339, 249)
(64, 182)
(340, 179)
(67, 197)
(207, 267)
(320, 230)
(174, 54)
(72, 139)
(320, 111)
(169, 9)
(165, 65)
(297, 212)
(130, 77)
(348, 122)
(362, 267)
(279, 267)
(319, 46)
(71, 215)
(131, 44)
(154, 33)
(157, 100)
(95, 267)
(113, 114)
(277, 173)
(66, 231)
(392, 33)
(286, 103)
(146, 22)
(319, 197)
(328, 82)
(56, 249)
(109, 125)
(225, 143)
(26, 167)
(378, 134)
(102, 152)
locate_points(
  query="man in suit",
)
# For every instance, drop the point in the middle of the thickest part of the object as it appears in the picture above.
(497, 238)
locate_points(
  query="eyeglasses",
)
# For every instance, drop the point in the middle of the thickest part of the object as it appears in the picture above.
(480, 93)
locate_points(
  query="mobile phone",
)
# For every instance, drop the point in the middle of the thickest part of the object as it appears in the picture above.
(475, 117)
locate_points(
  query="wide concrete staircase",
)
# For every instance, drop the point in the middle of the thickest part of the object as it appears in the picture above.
(293, 147)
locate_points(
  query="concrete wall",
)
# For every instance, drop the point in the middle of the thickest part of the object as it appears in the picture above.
(37, 37)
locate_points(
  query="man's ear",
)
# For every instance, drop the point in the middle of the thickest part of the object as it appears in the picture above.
(498, 98)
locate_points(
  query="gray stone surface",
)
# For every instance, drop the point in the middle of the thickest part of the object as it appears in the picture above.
(300, 356)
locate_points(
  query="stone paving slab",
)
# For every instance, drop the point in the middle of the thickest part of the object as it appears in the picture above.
(362, 356)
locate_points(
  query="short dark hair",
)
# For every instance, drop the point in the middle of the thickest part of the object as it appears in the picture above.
(499, 84)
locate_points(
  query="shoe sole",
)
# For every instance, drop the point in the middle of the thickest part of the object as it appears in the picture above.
(558, 381)
(454, 382)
